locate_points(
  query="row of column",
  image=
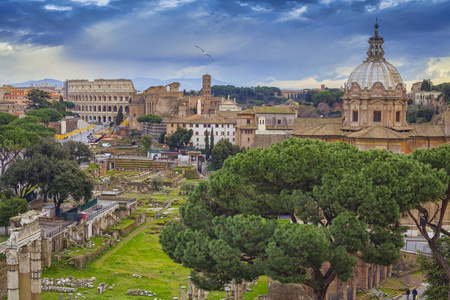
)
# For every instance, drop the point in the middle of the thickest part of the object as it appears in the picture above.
(86, 98)
(233, 292)
(24, 272)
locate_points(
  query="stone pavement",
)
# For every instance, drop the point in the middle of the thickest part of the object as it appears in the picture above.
(420, 289)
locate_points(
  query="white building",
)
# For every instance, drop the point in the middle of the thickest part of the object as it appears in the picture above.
(222, 125)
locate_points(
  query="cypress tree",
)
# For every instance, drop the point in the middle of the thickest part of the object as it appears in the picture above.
(119, 118)
(207, 149)
(211, 144)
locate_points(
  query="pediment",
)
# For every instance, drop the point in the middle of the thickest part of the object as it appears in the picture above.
(377, 89)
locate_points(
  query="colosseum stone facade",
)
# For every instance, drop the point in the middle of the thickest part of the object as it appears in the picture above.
(100, 100)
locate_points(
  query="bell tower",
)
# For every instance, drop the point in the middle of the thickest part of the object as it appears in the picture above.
(206, 90)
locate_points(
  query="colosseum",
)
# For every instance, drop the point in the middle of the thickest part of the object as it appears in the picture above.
(100, 100)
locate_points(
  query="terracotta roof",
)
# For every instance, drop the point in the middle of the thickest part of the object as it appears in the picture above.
(303, 123)
(196, 119)
(428, 130)
(265, 140)
(378, 132)
(324, 129)
(274, 110)
(248, 111)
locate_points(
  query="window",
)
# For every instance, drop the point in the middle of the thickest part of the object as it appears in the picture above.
(355, 116)
(217, 125)
(197, 140)
(196, 125)
(233, 139)
(248, 121)
(377, 116)
(397, 116)
(279, 121)
(196, 133)
(249, 139)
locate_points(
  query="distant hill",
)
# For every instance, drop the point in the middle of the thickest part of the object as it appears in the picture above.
(48, 81)
(140, 83)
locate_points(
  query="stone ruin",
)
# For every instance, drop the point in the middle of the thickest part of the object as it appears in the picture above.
(23, 258)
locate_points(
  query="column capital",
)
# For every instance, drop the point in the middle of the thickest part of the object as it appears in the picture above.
(12, 256)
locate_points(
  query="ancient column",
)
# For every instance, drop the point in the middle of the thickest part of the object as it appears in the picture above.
(232, 291)
(344, 291)
(12, 266)
(195, 293)
(227, 292)
(377, 276)
(189, 288)
(183, 293)
(36, 269)
(24, 274)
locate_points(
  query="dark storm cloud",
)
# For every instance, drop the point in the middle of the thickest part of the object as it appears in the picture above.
(259, 38)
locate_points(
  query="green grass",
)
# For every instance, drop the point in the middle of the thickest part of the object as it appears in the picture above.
(141, 255)
(125, 223)
(3, 238)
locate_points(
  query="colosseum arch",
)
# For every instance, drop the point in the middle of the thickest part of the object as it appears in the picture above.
(109, 108)
(126, 110)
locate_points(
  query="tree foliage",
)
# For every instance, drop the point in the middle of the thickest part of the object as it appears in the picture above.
(40, 98)
(207, 148)
(418, 114)
(46, 114)
(11, 206)
(329, 98)
(349, 202)
(419, 211)
(221, 152)
(179, 138)
(12, 141)
(6, 118)
(119, 117)
(264, 94)
(162, 137)
(435, 275)
(68, 181)
(146, 143)
(427, 85)
(32, 124)
(57, 162)
(78, 152)
(150, 118)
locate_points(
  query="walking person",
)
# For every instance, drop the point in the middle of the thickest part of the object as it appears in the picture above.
(414, 293)
(407, 293)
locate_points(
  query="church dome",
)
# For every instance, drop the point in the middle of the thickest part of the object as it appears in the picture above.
(375, 68)
(371, 71)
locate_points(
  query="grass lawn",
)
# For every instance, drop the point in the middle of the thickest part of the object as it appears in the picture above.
(139, 253)
(3, 238)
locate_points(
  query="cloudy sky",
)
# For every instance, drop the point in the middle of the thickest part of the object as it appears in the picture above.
(289, 44)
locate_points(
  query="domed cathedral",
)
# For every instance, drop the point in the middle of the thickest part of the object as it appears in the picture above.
(374, 111)
(375, 94)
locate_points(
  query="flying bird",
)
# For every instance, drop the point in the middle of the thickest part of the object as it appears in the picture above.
(204, 53)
